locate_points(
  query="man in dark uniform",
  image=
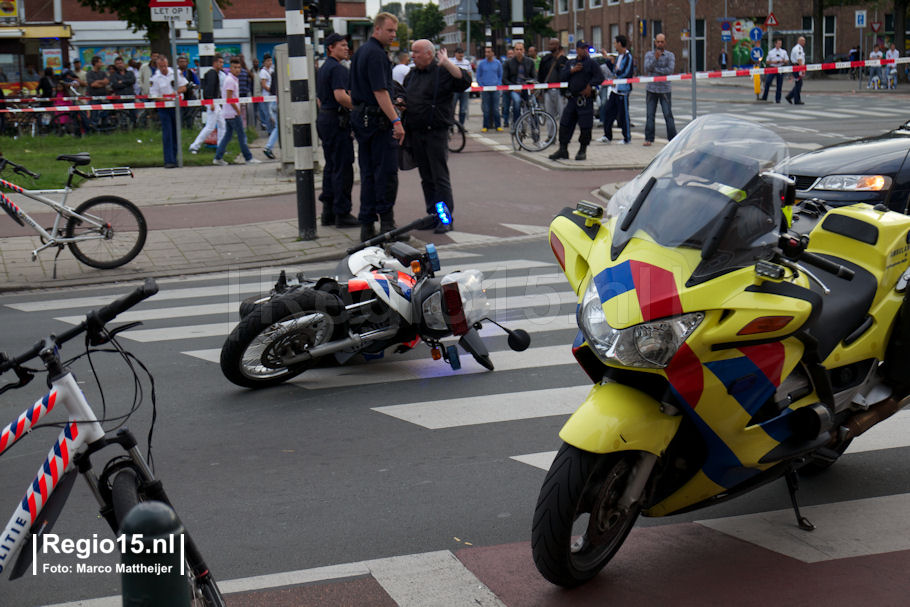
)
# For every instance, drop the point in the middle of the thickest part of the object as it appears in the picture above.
(429, 88)
(334, 128)
(582, 74)
(377, 127)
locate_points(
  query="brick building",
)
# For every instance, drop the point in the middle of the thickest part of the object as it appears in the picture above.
(598, 21)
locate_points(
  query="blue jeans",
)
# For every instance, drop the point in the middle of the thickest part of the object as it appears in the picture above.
(232, 125)
(462, 99)
(273, 135)
(168, 119)
(516, 104)
(490, 104)
(651, 100)
(506, 107)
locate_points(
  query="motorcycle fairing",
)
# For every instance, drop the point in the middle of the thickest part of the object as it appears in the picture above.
(392, 287)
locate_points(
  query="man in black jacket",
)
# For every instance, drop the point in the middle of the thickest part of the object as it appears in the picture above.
(429, 88)
(211, 89)
(582, 74)
(549, 70)
(518, 70)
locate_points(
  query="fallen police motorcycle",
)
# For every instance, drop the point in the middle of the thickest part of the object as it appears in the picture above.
(726, 351)
(378, 298)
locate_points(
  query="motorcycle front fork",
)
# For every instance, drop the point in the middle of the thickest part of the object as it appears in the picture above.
(637, 480)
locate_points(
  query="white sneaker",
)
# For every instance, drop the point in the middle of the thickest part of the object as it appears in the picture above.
(194, 150)
(254, 161)
(604, 139)
(219, 162)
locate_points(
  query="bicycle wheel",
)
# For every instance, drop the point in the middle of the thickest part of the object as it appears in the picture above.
(535, 131)
(117, 241)
(124, 494)
(456, 138)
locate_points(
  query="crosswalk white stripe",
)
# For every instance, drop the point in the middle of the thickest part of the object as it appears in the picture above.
(448, 264)
(498, 305)
(488, 409)
(819, 114)
(542, 460)
(407, 370)
(876, 525)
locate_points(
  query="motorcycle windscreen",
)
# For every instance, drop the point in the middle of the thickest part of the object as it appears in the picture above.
(705, 191)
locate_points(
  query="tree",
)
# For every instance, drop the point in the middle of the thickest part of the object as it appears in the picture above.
(137, 15)
(403, 36)
(430, 23)
(411, 10)
(393, 8)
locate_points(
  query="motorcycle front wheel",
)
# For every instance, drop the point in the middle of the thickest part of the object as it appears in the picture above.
(578, 524)
(270, 333)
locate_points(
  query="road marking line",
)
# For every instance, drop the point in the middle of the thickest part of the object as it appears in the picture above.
(409, 370)
(542, 460)
(876, 525)
(428, 579)
(488, 409)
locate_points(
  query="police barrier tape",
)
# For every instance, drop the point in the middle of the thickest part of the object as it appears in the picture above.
(82, 97)
(815, 67)
(138, 105)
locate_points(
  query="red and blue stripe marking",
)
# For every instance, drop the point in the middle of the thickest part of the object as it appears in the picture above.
(654, 286)
(50, 473)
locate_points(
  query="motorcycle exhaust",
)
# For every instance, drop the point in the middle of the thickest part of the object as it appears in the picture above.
(878, 412)
(352, 341)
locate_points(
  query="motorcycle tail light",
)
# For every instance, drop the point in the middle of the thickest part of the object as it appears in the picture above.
(454, 309)
(765, 324)
(559, 250)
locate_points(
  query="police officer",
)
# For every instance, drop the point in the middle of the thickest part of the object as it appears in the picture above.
(777, 57)
(377, 127)
(582, 74)
(334, 127)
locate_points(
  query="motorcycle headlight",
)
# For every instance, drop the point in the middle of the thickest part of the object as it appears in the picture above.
(433, 315)
(854, 183)
(650, 345)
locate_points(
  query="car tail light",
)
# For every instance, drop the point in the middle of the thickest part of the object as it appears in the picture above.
(454, 309)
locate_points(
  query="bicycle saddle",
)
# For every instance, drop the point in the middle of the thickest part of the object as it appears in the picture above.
(80, 159)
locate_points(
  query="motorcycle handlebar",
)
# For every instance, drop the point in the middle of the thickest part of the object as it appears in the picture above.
(94, 320)
(417, 224)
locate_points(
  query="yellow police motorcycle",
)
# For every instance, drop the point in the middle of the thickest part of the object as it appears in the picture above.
(726, 351)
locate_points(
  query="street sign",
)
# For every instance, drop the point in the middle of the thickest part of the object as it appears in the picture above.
(725, 26)
(876, 25)
(171, 10)
(771, 21)
(860, 17)
(757, 54)
(725, 36)
(755, 34)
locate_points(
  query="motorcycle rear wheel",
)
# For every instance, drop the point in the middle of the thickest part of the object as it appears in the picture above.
(578, 526)
(288, 325)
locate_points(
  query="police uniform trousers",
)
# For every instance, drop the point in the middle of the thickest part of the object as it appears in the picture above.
(338, 175)
(431, 151)
(617, 109)
(378, 162)
(579, 110)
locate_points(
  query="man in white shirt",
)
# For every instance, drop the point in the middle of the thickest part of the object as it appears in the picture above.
(401, 70)
(162, 88)
(875, 72)
(463, 99)
(777, 57)
(891, 69)
(232, 121)
(265, 81)
(797, 57)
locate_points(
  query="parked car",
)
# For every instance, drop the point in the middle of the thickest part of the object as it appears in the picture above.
(872, 170)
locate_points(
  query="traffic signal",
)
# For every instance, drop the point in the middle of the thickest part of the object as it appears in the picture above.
(326, 8)
(485, 7)
(505, 10)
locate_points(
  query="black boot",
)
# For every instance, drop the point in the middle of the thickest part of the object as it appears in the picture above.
(328, 215)
(581, 155)
(584, 138)
(387, 221)
(346, 221)
(561, 153)
(367, 231)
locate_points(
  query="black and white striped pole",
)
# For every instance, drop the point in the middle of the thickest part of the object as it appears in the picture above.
(206, 28)
(302, 117)
(518, 21)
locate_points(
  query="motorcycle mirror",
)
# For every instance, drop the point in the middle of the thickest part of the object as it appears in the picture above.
(519, 340)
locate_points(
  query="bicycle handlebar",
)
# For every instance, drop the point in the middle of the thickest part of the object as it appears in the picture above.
(18, 168)
(94, 321)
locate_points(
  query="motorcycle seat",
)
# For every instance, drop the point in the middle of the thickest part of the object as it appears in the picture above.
(843, 310)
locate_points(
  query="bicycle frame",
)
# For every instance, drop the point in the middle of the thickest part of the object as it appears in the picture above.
(54, 237)
(83, 428)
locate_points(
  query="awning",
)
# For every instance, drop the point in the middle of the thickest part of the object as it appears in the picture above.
(37, 31)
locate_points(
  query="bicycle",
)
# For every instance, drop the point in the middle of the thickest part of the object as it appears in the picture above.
(535, 129)
(125, 479)
(456, 135)
(103, 232)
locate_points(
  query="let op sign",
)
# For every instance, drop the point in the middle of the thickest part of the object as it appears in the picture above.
(171, 10)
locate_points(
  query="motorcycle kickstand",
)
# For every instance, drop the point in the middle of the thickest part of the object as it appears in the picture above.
(793, 487)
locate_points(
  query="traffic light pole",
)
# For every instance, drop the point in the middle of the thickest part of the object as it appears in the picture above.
(302, 115)
(518, 20)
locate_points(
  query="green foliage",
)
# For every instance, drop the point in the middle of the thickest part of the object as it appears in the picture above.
(393, 8)
(429, 23)
(411, 9)
(403, 36)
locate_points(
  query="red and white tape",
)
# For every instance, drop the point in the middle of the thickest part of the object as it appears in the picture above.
(139, 105)
(81, 97)
(815, 67)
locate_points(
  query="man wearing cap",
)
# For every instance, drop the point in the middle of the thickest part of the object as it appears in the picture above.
(334, 128)
(582, 74)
